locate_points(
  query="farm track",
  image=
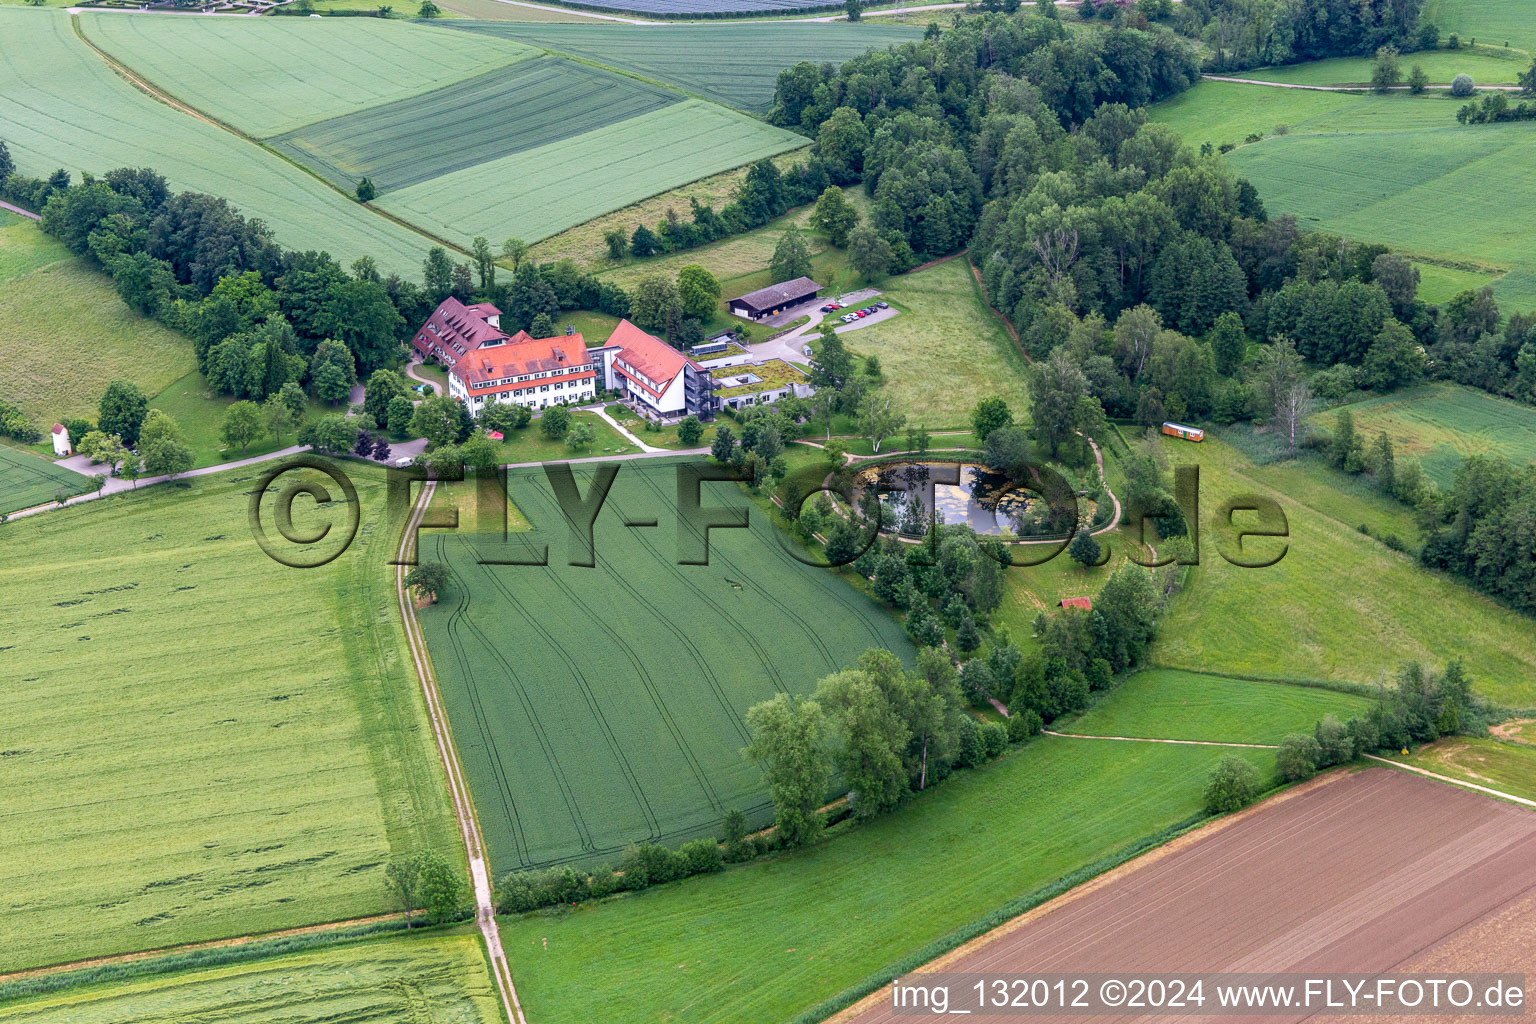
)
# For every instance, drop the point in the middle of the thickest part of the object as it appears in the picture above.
(1345, 88)
(463, 806)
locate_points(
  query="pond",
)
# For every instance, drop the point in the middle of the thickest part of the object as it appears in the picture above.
(963, 492)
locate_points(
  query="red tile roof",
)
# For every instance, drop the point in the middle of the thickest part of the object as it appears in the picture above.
(454, 330)
(58, 428)
(650, 356)
(1086, 604)
(517, 358)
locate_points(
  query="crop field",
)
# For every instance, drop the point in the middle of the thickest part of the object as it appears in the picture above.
(62, 105)
(41, 282)
(1510, 767)
(1488, 65)
(201, 742)
(1338, 606)
(1351, 163)
(1441, 424)
(470, 122)
(945, 333)
(27, 480)
(1168, 704)
(271, 75)
(539, 191)
(735, 64)
(437, 977)
(595, 707)
(493, 10)
(1303, 881)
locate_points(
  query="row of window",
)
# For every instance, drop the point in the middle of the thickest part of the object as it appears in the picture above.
(530, 376)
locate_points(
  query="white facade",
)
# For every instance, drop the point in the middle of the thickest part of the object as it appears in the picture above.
(535, 390)
(61, 446)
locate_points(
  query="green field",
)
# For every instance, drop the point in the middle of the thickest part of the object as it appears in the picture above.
(62, 105)
(539, 191)
(770, 939)
(599, 706)
(272, 75)
(199, 411)
(946, 351)
(1353, 163)
(438, 977)
(1509, 767)
(200, 742)
(1168, 704)
(1488, 21)
(41, 283)
(1339, 606)
(470, 122)
(1441, 424)
(1488, 65)
(735, 64)
(27, 480)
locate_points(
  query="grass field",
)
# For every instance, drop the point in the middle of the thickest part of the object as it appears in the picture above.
(596, 707)
(1338, 606)
(201, 742)
(539, 191)
(1168, 704)
(491, 10)
(1488, 21)
(1352, 163)
(1441, 424)
(736, 64)
(62, 105)
(470, 122)
(1488, 65)
(193, 404)
(272, 75)
(945, 333)
(1510, 767)
(27, 480)
(42, 283)
(437, 977)
(773, 938)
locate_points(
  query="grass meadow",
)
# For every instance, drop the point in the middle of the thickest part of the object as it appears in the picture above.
(199, 411)
(1441, 424)
(1392, 169)
(491, 10)
(1510, 767)
(27, 479)
(63, 106)
(732, 63)
(1488, 21)
(271, 75)
(437, 976)
(1175, 705)
(45, 287)
(594, 707)
(1488, 65)
(200, 742)
(1339, 606)
(540, 191)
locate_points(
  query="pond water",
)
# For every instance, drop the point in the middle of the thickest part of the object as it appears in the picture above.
(962, 493)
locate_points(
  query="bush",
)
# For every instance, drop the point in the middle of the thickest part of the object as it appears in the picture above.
(701, 857)
(1023, 725)
(1335, 745)
(1230, 786)
(1298, 757)
(995, 737)
(973, 746)
(1462, 85)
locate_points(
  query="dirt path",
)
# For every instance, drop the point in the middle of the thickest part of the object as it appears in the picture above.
(458, 788)
(20, 212)
(1453, 781)
(1344, 88)
(1149, 739)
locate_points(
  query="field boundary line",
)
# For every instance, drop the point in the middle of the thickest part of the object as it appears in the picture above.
(1153, 739)
(1344, 88)
(1453, 781)
(458, 789)
(154, 92)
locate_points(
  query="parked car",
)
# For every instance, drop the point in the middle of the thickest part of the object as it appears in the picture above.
(826, 309)
(882, 305)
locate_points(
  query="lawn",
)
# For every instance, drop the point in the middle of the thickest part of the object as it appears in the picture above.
(530, 444)
(539, 191)
(1441, 424)
(770, 939)
(1338, 606)
(272, 75)
(1169, 704)
(201, 742)
(43, 288)
(1510, 767)
(945, 334)
(595, 707)
(200, 414)
(666, 437)
(1488, 65)
(27, 480)
(62, 105)
(470, 122)
(735, 64)
(1353, 163)
(427, 977)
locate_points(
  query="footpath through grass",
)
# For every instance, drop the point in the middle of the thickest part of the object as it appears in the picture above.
(201, 742)
(1510, 767)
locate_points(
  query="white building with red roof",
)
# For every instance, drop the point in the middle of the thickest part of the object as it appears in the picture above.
(654, 378)
(536, 372)
(455, 330)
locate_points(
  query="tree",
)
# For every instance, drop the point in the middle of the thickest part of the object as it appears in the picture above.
(428, 579)
(242, 424)
(437, 420)
(879, 418)
(130, 466)
(788, 741)
(332, 434)
(617, 242)
(1084, 549)
(1230, 343)
(854, 9)
(292, 396)
(1231, 785)
(402, 880)
(542, 327)
(655, 302)
(869, 740)
(121, 411)
(643, 242)
(1462, 86)
(791, 257)
(366, 190)
(1399, 279)
(1297, 758)
(1347, 454)
(278, 416)
(1278, 381)
(832, 365)
(989, 414)
(581, 435)
(1418, 81)
(1057, 388)
(1388, 70)
(724, 445)
(555, 421)
(835, 216)
(1527, 80)
(1394, 360)
(690, 430)
(428, 9)
(1384, 463)
(869, 253)
(698, 291)
(514, 251)
(163, 445)
(478, 451)
(383, 387)
(441, 889)
(332, 371)
(437, 273)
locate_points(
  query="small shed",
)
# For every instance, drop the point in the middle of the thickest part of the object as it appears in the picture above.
(1084, 603)
(61, 446)
(1179, 430)
(774, 299)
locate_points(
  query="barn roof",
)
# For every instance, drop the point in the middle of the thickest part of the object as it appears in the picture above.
(1086, 604)
(778, 294)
